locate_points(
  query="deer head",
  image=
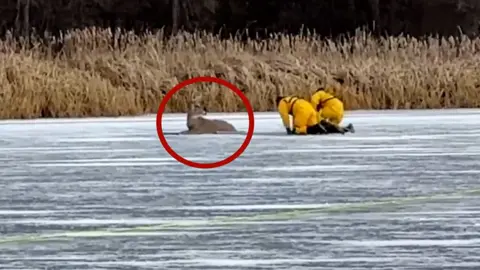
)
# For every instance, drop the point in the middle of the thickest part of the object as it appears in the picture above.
(195, 111)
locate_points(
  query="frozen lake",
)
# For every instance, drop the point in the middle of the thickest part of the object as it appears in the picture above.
(286, 203)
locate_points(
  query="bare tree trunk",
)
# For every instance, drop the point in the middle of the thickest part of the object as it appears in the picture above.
(17, 19)
(26, 20)
(185, 9)
(175, 15)
(375, 8)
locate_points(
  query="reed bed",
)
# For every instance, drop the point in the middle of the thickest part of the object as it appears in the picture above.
(90, 78)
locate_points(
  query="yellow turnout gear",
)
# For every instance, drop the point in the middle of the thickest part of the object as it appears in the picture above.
(327, 106)
(304, 115)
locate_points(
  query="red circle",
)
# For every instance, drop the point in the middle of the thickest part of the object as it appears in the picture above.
(243, 147)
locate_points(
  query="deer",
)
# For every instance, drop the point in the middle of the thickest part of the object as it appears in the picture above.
(197, 124)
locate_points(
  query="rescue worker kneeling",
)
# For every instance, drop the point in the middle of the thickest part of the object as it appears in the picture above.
(329, 110)
(305, 119)
(328, 106)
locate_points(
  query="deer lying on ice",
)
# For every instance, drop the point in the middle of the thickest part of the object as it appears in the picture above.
(197, 124)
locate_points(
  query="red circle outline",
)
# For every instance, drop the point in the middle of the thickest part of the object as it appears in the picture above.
(243, 147)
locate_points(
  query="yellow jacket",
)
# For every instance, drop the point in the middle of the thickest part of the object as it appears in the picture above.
(319, 98)
(285, 109)
(291, 105)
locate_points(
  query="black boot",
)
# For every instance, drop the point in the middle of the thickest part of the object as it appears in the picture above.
(331, 128)
(316, 129)
(349, 128)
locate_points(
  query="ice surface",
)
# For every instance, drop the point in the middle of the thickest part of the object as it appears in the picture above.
(286, 203)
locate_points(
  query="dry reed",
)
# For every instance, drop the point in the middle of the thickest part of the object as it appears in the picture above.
(89, 78)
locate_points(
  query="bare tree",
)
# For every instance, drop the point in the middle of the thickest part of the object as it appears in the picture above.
(23, 12)
(175, 15)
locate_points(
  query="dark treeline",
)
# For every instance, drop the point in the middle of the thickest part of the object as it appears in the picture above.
(326, 17)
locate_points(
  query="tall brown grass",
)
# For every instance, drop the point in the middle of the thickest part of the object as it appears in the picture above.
(89, 78)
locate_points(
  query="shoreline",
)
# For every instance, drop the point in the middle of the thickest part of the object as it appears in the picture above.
(377, 73)
(243, 115)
